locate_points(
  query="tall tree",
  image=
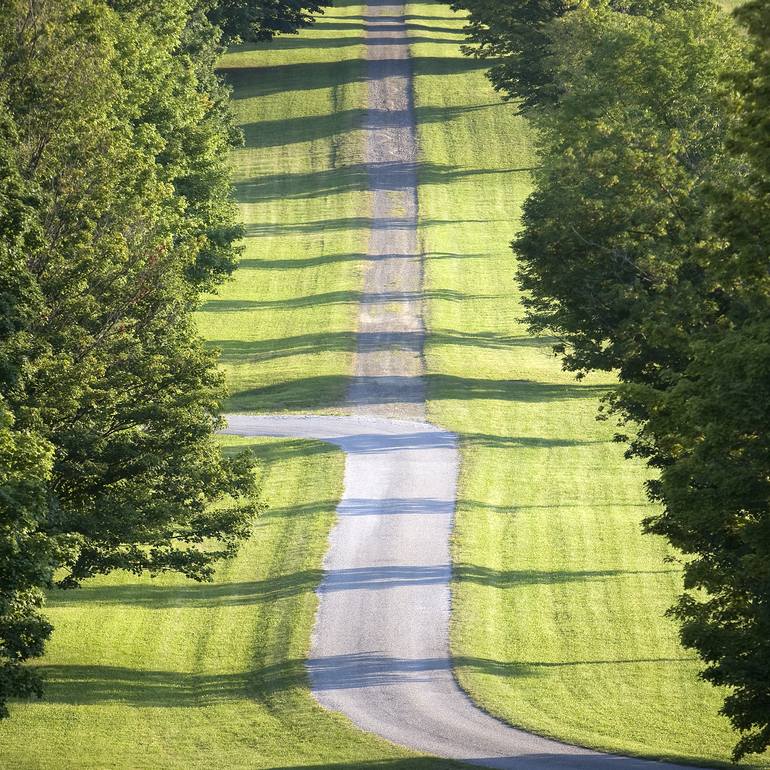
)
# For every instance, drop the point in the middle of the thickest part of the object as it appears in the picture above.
(115, 219)
(514, 36)
(26, 556)
(607, 250)
(263, 19)
(712, 430)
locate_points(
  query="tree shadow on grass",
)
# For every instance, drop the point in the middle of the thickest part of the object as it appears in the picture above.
(298, 263)
(328, 391)
(357, 177)
(493, 441)
(306, 42)
(528, 761)
(416, 763)
(90, 685)
(262, 229)
(452, 388)
(81, 685)
(237, 351)
(289, 449)
(190, 595)
(251, 82)
(487, 340)
(210, 595)
(348, 298)
(493, 578)
(284, 131)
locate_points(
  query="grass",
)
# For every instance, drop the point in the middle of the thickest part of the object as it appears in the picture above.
(555, 586)
(168, 673)
(559, 599)
(285, 323)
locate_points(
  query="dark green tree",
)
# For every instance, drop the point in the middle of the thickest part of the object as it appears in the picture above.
(115, 218)
(26, 556)
(263, 19)
(609, 252)
(711, 430)
(644, 249)
(514, 35)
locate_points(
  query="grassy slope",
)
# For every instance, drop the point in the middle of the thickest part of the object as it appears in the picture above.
(171, 674)
(559, 600)
(286, 323)
(167, 673)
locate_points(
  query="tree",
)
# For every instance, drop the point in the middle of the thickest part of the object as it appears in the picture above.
(609, 252)
(263, 19)
(115, 218)
(26, 556)
(712, 428)
(515, 36)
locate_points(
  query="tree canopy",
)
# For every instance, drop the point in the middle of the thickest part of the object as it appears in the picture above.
(713, 427)
(515, 36)
(115, 218)
(644, 250)
(262, 19)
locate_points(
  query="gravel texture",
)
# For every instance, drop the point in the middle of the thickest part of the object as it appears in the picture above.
(388, 368)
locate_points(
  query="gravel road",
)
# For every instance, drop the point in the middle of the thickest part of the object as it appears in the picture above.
(380, 649)
(388, 365)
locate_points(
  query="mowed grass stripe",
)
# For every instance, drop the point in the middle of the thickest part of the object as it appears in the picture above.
(167, 673)
(286, 324)
(559, 600)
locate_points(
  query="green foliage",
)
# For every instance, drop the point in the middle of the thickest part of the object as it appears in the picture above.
(515, 35)
(713, 428)
(115, 217)
(712, 431)
(262, 19)
(25, 557)
(645, 251)
(25, 456)
(607, 249)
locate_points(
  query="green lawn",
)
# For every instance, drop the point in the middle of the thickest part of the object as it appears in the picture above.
(558, 599)
(286, 323)
(168, 673)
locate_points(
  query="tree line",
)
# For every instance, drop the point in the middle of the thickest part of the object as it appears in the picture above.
(116, 217)
(644, 251)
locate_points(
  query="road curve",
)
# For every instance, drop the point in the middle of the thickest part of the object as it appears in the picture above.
(380, 649)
